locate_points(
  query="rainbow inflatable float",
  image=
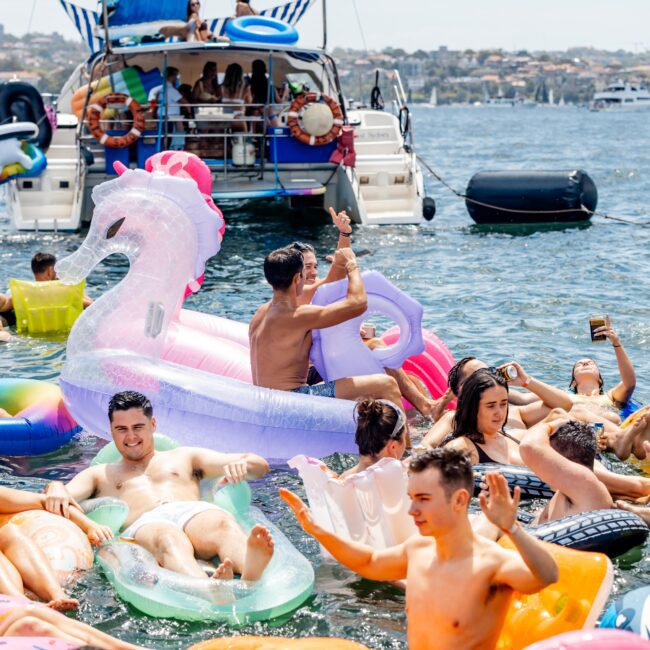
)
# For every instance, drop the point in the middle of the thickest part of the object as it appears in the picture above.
(40, 421)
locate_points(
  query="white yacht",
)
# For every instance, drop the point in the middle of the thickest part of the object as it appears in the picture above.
(250, 149)
(622, 96)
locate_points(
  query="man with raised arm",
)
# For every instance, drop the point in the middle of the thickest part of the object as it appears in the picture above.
(458, 583)
(280, 331)
(562, 453)
(161, 488)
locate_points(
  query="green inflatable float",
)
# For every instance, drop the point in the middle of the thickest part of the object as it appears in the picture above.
(136, 576)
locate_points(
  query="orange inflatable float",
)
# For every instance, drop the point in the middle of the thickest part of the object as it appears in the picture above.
(277, 643)
(65, 545)
(572, 603)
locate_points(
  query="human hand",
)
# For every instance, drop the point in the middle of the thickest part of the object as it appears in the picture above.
(497, 504)
(341, 221)
(522, 376)
(57, 499)
(300, 510)
(608, 331)
(98, 534)
(344, 256)
(235, 472)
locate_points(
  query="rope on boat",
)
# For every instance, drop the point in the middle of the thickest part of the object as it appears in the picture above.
(582, 208)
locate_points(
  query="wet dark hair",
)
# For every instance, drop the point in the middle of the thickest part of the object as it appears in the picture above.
(233, 78)
(42, 261)
(259, 82)
(455, 468)
(466, 416)
(171, 71)
(129, 399)
(281, 266)
(574, 388)
(302, 247)
(577, 442)
(453, 378)
(375, 425)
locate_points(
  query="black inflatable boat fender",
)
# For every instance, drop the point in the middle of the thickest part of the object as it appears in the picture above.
(531, 196)
(531, 486)
(22, 100)
(610, 531)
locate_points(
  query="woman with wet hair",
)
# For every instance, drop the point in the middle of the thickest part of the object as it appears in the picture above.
(478, 425)
(381, 433)
(235, 93)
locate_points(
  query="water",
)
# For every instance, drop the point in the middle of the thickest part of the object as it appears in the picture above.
(504, 294)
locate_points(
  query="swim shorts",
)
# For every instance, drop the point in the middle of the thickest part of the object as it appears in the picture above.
(328, 389)
(177, 513)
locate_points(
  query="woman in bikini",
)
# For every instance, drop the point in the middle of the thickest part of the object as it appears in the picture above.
(235, 94)
(478, 425)
(594, 404)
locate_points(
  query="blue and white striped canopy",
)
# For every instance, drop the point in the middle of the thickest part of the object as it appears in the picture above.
(86, 20)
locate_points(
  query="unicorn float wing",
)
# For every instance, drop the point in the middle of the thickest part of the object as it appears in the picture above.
(133, 337)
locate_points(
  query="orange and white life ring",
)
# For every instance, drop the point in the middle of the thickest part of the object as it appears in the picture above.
(115, 141)
(294, 119)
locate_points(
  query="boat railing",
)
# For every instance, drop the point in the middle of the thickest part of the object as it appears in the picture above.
(223, 134)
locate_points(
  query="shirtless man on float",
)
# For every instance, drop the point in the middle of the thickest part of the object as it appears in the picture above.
(161, 488)
(407, 386)
(458, 583)
(280, 331)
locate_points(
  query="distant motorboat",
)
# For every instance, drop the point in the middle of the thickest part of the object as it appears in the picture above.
(621, 96)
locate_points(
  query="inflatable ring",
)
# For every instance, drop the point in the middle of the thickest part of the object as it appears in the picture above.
(21, 100)
(339, 351)
(41, 422)
(531, 486)
(272, 30)
(138, 579)
(630, 612)
(294, 117)
(115, 141)
(592, 640)
(609, 531)
(431, 366)
(277, 643)
(572, 603)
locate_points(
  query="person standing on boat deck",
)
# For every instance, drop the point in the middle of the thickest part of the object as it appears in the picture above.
(458, 583)
(243, 8)
(174, 102)
(280, 331)
(235, 93)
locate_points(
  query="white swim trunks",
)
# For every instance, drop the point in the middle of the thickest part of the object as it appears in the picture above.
(177, 513)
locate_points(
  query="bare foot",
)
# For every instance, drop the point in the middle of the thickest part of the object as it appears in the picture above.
(259, 550)
(63, 604)
(644, 513)
(224, 571)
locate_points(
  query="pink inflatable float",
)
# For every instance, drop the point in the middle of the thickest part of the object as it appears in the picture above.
(592, 640)
(431, 366)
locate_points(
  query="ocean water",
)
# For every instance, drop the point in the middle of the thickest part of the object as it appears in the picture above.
(500, 294)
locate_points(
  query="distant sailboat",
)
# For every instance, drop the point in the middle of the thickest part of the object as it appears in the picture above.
(433, 99)
(551, 97)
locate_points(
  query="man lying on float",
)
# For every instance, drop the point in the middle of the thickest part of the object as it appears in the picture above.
(280, 331)
(161, 488)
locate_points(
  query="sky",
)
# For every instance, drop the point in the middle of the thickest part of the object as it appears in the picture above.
(420, 24)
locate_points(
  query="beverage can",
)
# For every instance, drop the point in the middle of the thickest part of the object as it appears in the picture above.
(509, 372)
